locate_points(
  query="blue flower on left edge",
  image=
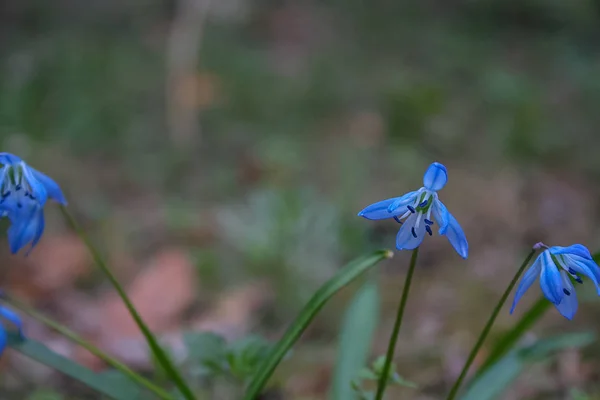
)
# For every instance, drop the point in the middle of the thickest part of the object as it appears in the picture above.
(23, 195)
(418, 207)
(558, 267)
(10, 316)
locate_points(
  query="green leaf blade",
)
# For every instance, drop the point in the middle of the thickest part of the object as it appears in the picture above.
(310, 310)
(116, 387)
(358, 328)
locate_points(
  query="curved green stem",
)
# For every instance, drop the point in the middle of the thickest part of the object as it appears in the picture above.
(156, 349)
(69, 334)
(383, 378)
(488, 326)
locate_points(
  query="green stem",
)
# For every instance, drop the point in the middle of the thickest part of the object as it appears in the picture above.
(157, 350)
(383, 378)
(488, 326)
(69, 334)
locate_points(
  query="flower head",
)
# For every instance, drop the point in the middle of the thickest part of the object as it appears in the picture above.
(558, 267)
(23, 194)
(10, 316)
(414, 211)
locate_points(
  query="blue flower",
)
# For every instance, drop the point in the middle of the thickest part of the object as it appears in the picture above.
(10, 316)
(418, 207)
(558, 267)
(23, 194)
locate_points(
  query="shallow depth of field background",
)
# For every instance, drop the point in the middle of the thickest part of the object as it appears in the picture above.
(219, 156)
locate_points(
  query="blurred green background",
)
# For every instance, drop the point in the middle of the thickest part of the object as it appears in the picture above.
(218, 154)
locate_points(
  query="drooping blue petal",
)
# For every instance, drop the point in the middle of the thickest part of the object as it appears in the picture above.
(380, 210)
(583, 266)
(568, 304)
(530, 276)
(12, 317)
(456, 236)
(577, 249)
(550, 280)
(26, 228)
(405, 240)
(52, 188)
(3, 339)
(9, 159)
(435, 177)
(440, 214)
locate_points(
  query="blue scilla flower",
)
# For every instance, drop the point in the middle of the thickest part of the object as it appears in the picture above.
(418, 207)
(558, 267)
(23, 194)
(10, 316)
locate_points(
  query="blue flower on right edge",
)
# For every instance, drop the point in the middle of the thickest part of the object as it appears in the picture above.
(558, 267)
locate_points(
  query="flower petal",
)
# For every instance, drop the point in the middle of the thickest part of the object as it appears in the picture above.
(12, 317)
(9, 159)
(568, 304)
(403, 201)
(3, 339)
(456, 236)
(526, 281)
(38, 189)
(550, 280)
(26, 228)
(435, 177)
(577, 249)
(440, 214)
(380, 210)
(52, 188)
(405, 240)
(585, 267)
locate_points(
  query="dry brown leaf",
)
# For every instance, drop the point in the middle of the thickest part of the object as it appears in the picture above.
(235, 310)
(160, 293)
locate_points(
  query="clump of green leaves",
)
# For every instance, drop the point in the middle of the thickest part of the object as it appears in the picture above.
(210, 359)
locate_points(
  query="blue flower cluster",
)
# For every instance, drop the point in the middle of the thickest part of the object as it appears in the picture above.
(24, 192)
(558, 267)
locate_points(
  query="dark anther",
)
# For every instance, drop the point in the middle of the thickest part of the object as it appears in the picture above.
(397, 219)
(428, 221)
(565, 291)
(578, 279)
(19, 205)
(31, 196)
(423, 204)
(5, 195)
(413, 231)
(428, 229)
(411, 209)
(572, 271)
(18, 187)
